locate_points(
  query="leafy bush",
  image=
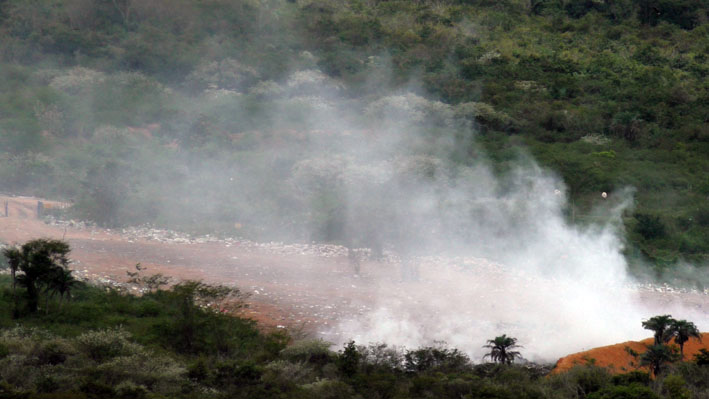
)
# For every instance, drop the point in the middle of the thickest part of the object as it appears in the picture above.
(52, 352)
(286, 374)
(157, 373)
(649, 226)
(129, 99)
(381, 357)
(702, 358)
(4, 351)
(348, 360)
(696, 376)
(633, 391)
(103, 345)
(634, 377)
(235, 375)
(315, 352)
(329, 389)
(431, 359)
(675, 387)
(582, 381)
(129, 390)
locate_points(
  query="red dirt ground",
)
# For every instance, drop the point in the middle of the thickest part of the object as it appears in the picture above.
(289, 287)
(617, 359)
(300, 292)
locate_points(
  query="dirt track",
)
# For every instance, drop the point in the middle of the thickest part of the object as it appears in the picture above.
(314, 291)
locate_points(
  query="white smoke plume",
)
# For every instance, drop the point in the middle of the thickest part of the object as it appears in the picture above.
(482, 254)
(472, 252)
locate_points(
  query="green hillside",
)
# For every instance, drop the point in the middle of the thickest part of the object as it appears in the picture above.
(144, 111)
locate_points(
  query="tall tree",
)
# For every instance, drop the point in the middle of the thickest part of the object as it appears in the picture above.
(37, 261)
(660, 325)
(500, 349)
(682, 331)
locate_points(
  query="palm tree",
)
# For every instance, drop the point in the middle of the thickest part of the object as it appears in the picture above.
(661, 326)
(62, 282)
(500, 349)
(683, 330)
(656, 356)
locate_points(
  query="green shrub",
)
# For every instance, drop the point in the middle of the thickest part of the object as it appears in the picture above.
(52, 352)
(329, 389)
(379, 385)
(633, 391)
(4, 351)
(696, 377)
(129, 390)
(435, 359)
(634, 377)
(129, 99)
(702, 358)
(96, 390)
(348, 360)
(381, 357)
(103, 345)
(156, 372)
(649, 226)
(675, 387)
(46, 384)
(232, 375)
(581, 381)
(287, 374)
(315, 352)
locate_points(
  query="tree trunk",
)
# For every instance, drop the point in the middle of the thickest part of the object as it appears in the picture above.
(16, 311)
(32, 298)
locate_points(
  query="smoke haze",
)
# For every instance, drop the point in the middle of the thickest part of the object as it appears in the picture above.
(475, 248)
(475, 252)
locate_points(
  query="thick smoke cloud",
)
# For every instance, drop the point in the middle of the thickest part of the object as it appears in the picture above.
(557, 286)
(472, 252)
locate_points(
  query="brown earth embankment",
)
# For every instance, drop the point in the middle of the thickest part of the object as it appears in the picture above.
(618, 358)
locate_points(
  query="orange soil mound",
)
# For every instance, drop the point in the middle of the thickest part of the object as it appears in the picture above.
(617, 359)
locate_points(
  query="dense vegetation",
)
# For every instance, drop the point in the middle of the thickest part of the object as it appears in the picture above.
(129, 107)
(107, 344)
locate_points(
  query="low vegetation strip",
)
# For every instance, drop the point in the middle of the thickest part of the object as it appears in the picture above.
(104, 344)
(179, 343)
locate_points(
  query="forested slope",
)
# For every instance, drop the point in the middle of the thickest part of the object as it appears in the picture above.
(138, 110)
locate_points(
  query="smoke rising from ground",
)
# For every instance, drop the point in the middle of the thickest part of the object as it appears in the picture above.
(557, 286)
(479, 251)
